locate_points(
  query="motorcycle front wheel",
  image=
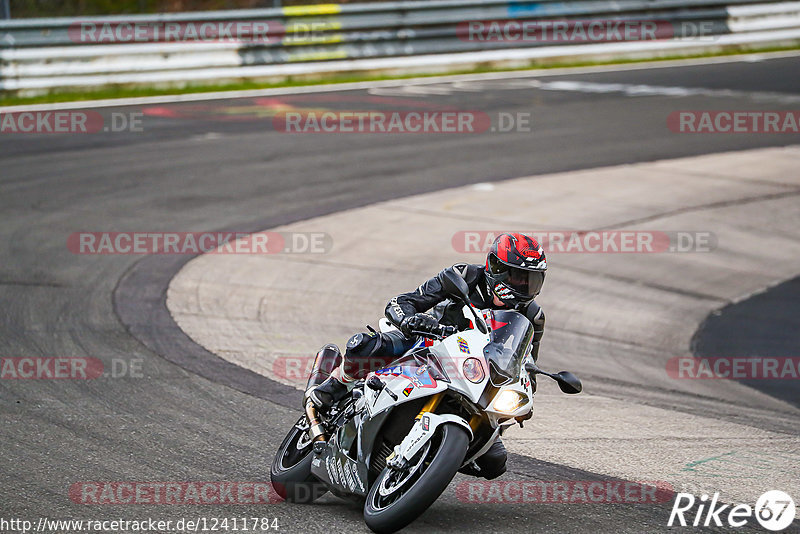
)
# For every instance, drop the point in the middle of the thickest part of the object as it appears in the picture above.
(291, 469)
(398, 497)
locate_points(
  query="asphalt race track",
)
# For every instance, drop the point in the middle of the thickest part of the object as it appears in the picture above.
(187, 416)
(773, 314)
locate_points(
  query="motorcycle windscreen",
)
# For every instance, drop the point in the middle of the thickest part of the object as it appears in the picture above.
(509, 342)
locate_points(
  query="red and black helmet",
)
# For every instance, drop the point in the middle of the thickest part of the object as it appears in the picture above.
(515, 268)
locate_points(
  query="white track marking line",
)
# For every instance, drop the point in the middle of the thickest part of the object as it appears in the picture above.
(630, 89)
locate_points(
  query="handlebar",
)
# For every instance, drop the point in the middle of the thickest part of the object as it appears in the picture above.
(447, 330)
(439, 332)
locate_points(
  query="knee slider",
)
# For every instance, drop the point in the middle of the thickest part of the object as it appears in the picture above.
(364, 344)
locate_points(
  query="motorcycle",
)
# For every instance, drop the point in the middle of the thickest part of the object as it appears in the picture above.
(399, 438)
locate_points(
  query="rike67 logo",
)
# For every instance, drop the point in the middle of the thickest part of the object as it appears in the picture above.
(774, 510)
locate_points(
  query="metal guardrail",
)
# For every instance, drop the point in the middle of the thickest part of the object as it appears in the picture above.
(38, 54)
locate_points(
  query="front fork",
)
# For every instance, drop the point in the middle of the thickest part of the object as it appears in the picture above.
(431, 405)
(422, 431)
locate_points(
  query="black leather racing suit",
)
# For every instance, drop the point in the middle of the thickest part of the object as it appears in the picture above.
(370, 351)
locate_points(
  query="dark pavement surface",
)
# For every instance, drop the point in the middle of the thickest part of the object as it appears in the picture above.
(220, 165)
(766, 325)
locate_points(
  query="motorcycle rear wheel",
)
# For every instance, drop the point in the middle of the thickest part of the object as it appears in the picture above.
(398, 497)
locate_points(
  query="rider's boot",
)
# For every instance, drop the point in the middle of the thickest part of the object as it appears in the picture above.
(332, 390)
(490, 465)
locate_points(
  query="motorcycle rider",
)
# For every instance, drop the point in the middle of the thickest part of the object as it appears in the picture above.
(510, 279)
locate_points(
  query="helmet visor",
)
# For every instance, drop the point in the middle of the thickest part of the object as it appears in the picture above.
(523, 282)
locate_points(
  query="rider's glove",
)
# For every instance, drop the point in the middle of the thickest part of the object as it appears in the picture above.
(419, 322)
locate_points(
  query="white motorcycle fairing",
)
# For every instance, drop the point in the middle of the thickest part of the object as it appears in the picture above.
(410, 382)
(421, 433)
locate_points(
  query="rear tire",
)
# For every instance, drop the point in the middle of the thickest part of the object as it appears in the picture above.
(437, 466)
(291, 469)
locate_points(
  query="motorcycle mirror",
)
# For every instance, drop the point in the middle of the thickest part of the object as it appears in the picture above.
(455, 285)
(569, 383)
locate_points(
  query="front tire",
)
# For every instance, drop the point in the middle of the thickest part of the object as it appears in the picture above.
(291, 469)
(394, 502)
